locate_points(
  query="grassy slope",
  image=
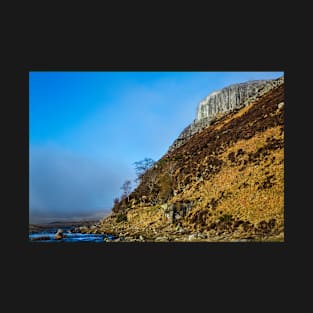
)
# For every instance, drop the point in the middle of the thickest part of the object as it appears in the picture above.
(232, 170)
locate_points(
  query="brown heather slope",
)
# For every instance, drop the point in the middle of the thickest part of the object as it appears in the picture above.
(224, 184)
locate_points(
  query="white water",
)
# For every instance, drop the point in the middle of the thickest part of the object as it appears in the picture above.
(69, 237)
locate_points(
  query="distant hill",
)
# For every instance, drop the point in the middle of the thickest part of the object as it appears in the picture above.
(44, 218)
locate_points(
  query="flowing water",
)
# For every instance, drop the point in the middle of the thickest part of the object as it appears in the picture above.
(68, 236)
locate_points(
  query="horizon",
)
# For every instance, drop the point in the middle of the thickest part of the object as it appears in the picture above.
(88, 128)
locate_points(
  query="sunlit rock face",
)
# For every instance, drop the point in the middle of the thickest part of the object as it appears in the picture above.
(222, 102)
(227, 99)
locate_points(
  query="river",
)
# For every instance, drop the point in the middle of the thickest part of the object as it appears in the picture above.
(68, 236)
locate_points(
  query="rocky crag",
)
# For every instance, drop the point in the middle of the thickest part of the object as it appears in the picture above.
(224, 183)
(221, 102)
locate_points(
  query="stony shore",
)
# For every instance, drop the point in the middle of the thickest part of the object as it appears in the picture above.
(167, 232)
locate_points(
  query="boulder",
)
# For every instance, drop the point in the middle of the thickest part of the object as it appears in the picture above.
(83, 229)
(178, 210)
(180, 229)
(59, 234)
(192, 237)
(280, 105)
(164, 207)
(162, 239)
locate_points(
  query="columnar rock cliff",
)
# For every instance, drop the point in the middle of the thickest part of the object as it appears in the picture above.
(223, 101)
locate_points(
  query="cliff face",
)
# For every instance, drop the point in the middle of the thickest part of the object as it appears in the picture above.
(221, 102)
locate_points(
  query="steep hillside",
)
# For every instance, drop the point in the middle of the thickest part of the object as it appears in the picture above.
(225, 183)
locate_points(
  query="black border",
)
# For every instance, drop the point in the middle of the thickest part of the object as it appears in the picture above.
(258, 268)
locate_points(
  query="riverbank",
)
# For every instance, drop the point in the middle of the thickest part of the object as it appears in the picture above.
(154, 228)
(146, 226)
(66, 232)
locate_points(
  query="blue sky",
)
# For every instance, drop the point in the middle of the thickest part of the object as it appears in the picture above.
(88, 128)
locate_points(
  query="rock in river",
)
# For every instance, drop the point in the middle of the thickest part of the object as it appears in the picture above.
(59, 234)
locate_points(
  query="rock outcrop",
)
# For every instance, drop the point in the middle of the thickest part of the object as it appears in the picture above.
(223, 101)
(59, 234)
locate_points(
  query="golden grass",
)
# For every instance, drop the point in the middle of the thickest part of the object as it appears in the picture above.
(231, 117)
(144, 216)
(245, 203)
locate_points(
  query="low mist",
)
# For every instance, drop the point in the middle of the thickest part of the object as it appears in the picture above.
(67, 186)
